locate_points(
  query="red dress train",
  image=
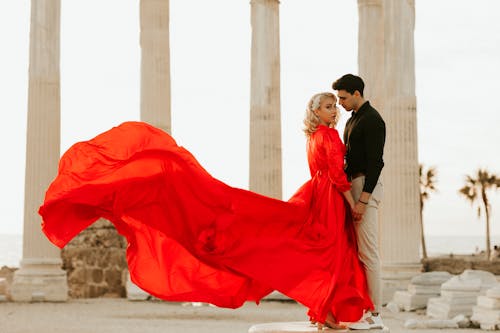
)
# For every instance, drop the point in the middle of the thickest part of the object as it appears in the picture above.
(193, 238)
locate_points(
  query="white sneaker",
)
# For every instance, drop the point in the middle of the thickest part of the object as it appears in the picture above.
(367, 323)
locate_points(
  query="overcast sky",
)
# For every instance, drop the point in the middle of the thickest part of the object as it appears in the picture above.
(457, 70)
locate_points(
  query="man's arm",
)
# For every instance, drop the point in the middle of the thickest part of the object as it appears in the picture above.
(374, 147)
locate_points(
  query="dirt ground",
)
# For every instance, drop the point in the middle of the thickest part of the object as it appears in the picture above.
(118, 315)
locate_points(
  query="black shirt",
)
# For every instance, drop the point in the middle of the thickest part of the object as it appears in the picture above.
(364, 137)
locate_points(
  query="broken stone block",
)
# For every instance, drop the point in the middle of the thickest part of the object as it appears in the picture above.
(431, 278)
(488, 302)
(424, 289)
(408, 301)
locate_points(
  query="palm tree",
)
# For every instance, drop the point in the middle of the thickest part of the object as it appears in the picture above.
(427, 185)
(475, 190)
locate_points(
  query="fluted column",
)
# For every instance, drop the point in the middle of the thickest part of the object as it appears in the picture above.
(401, 203)
(386, 60)
(155, 63)
(265, 105)
(371, 50)
(40, 277)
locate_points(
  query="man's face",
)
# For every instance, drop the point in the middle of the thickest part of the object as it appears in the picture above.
(346, 99)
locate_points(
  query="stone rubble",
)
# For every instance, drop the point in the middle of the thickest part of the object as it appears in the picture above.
(459, 321)
(421, 288)
(486, 312)
(459, 294)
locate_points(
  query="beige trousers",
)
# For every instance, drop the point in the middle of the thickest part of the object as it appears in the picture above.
(367, 234)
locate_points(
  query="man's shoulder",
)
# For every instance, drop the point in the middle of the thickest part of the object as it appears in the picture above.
(373, 113)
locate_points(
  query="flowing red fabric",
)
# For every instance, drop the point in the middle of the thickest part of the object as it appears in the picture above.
(193, 238)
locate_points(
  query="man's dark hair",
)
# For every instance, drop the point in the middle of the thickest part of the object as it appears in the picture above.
(349, 83)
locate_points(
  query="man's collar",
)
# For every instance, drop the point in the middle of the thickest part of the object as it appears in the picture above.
(365, 105)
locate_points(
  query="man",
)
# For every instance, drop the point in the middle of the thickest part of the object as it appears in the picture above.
(364, 137)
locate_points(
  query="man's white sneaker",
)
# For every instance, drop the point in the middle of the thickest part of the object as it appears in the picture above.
(368, 323)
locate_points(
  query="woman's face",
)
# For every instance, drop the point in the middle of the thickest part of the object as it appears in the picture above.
(327, 111)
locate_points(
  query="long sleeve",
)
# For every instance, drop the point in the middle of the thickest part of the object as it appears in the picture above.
(335, 159)
(374, 141)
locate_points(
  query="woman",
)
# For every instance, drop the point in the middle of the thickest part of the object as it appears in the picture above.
(194, 238)
(325, 153)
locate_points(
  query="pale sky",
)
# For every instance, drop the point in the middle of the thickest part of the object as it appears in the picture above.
(457, 70)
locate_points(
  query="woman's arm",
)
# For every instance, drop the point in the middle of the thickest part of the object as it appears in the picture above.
(349, 198)
(335, 159)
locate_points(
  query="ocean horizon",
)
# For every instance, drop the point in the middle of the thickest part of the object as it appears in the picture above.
(11, 246)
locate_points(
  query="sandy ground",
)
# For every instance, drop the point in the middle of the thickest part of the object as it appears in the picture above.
(112, 315)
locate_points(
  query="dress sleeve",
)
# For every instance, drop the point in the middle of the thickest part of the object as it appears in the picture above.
(335, 158)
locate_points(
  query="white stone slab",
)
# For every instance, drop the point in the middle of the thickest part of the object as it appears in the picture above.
(409, 302)
(493, 292)
(418, 289)
(486, 278)
(450, 294)
(471, 280)
(458, 284)
(493, 313)
(440, 308)
(431, 278)
(451, 297)
(488, 302)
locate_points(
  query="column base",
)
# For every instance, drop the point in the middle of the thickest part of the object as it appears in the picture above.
(40, 280)
(397, 277)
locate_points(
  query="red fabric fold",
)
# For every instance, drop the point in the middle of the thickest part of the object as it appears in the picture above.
(193, 238)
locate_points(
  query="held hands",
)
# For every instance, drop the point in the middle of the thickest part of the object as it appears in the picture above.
(359, 208)
(358, 211)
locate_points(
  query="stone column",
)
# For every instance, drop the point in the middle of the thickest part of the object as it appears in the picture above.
(265, 119)
(386, 60)
(155, 63)
(371, 50)
(40, 277)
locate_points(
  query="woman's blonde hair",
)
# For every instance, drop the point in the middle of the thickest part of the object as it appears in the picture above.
(311, 120)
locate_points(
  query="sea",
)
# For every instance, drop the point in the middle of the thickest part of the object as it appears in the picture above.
(11, 246)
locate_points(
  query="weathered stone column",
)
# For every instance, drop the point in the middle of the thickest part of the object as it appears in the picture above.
(155, 63)
(386, 60)
(371, 50)
(40, 277)
(265, 105)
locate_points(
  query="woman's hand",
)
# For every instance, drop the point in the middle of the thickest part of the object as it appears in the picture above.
(349, 199)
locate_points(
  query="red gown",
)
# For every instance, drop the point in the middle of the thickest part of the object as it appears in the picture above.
(193, 238)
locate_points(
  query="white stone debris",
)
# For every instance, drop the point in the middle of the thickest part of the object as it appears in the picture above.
(486, 312)
(459, 294)
(421, 288)
(393, 307)
(459, 321)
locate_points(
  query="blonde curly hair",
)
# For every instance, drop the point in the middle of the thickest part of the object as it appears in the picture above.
(311, 120)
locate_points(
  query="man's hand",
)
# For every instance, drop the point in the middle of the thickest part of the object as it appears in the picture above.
(358, 211)
(360, 207)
